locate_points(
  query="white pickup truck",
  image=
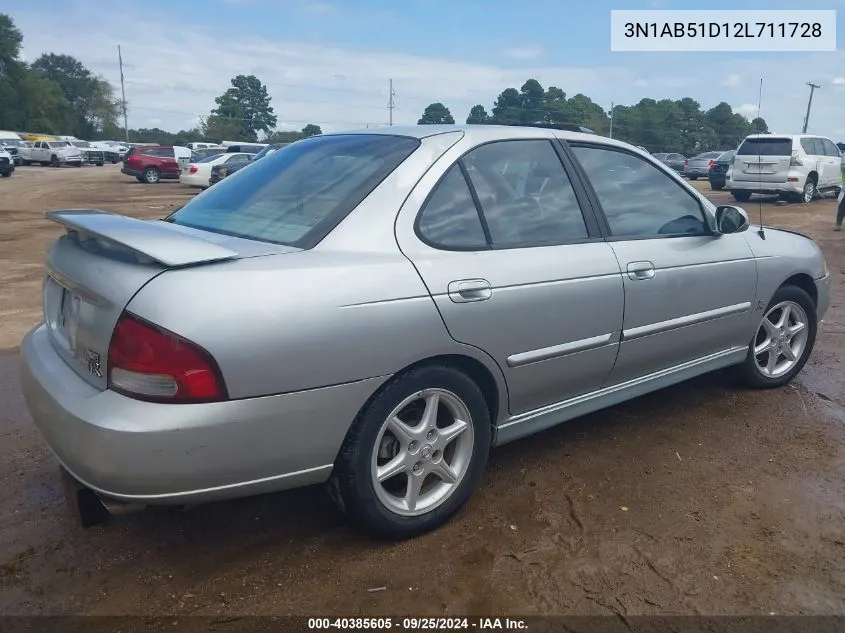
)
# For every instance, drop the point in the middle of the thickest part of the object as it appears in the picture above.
(53, 153)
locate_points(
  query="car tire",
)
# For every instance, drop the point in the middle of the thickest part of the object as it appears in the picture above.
(7, 174)
(809, 192)
(26, 163)
(151, 176)
(770, 340)
(380, 506)
(54, 161)
(692, 177)
(741, 196)
(77, 164)
(716, 187)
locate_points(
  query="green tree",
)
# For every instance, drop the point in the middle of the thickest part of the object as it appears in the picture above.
(435, 114)
(90, 97)
(283, 136)
(759, 126)
(220, 128)
(248, 103)
(478, 115)
(310, 130)
(508, 107)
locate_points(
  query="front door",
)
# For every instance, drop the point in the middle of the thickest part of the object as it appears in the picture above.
(517, 270)
(688, 293)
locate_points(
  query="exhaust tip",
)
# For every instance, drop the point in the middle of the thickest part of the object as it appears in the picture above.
(89, 507)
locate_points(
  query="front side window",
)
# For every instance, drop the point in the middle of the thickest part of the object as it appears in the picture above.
(299, 193)
(525, 194)
(639, 200)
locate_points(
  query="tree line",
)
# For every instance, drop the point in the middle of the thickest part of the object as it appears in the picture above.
(57, 94)
(659, 126)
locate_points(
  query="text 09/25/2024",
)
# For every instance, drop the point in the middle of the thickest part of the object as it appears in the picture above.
(715, 31)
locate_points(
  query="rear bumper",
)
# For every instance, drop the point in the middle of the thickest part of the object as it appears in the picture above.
(765, 187)
(162, 454)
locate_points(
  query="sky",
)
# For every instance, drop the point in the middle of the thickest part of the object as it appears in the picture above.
(330, 62)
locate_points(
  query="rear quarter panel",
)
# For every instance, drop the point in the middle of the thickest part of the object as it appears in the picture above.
(299, 321)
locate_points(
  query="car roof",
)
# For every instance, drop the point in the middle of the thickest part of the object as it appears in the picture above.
(486, 133)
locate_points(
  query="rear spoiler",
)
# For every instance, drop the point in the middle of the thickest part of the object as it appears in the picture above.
(156, 240)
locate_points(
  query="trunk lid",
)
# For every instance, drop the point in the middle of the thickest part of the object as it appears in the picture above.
(763, 159)
(103, 260)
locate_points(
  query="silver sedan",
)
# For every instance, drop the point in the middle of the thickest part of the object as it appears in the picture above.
(377, 309)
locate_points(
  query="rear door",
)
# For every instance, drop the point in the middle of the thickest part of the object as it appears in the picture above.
(762, 159)
(688, 293)
(518, 270)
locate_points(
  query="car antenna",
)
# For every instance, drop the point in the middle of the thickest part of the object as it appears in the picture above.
(761, 232)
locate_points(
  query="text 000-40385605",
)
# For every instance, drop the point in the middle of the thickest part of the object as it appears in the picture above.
(715, 31)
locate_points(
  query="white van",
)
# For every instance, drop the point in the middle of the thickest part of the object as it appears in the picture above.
(797, 167)
(199, 145)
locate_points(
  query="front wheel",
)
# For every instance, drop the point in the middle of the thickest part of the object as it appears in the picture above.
(783, 342)
(741, 196)
(414, 454)
(692, 177)
(716, 187)
(7, 174)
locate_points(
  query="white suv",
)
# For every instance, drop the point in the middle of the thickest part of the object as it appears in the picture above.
(797, 167)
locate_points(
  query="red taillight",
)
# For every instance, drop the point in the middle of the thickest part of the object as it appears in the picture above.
(150, 363)
(193, 169)
(686, 162)
(711, 163)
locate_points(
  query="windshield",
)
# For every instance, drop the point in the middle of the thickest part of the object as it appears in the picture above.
(12, 142)
(58, 144)
(80, 143)
(299, 193)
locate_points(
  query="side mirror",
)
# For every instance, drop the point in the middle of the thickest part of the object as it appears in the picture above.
(731, 219)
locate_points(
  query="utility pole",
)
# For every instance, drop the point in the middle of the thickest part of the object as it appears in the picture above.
(809, 105)
(611, 119)
(391, 104)
(123, 94)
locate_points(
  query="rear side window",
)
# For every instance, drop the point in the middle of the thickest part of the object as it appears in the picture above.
(829, 148)
(813, 146)
(525, 194)
(765, 147)
(298, 194)
(450, 218)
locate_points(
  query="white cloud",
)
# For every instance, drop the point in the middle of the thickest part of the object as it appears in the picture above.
(732, 81)
(838, 82)
(170, 75)
(527, 52)
(748, 110)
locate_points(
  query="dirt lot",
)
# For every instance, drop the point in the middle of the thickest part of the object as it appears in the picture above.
(698, 499)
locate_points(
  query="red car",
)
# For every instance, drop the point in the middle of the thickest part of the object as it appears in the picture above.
(152, 164)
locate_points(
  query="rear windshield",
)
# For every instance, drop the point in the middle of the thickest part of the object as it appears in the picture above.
(296, 195)
(766, 147)
(709, 155)
(726, 156)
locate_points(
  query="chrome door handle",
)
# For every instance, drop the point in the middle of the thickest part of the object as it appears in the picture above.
(468, 290)
(639, 271)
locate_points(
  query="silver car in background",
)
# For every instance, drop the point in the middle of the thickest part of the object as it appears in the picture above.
(699, 166)
(377, 309)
